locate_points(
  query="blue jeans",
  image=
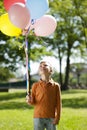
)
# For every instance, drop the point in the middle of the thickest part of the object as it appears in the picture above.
(44, 123)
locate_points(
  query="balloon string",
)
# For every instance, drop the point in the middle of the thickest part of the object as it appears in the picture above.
(27, 62)
(27, 66)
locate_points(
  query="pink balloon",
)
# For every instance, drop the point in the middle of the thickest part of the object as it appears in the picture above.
(19, 15)
(45, 26)
(9, 3)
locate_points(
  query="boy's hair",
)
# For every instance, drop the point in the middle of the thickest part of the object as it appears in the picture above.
(51, 68)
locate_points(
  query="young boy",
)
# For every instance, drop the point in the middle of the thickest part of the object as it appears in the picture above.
(46, 98)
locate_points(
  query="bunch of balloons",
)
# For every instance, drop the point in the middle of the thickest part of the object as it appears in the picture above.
(27, 14)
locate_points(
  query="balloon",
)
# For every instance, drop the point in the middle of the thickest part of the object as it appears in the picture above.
(45, 26)
(37, 8)
(9, 3)
(0, 22)
(7, 27)
(19, 15)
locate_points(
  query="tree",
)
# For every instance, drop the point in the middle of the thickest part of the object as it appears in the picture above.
(81, 12)
(69, 35)
(78, 69)
(5, 74)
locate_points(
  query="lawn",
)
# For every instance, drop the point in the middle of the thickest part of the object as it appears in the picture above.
(15, 114)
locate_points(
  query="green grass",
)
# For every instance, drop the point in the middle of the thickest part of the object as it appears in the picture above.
(15, 114)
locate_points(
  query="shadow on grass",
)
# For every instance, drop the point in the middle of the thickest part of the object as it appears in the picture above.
(75, 102)
(14, 105)
(9, 96)
(72, 103)
(74, 91)
(6, 101)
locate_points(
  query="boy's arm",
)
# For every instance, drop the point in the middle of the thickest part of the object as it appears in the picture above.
(30, 99)
(58, 106)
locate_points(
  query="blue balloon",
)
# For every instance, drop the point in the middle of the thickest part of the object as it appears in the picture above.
(37, 8)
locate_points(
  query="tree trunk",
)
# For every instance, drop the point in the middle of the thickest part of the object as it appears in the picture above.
(60, 71)
(65, 85)
(78, 78)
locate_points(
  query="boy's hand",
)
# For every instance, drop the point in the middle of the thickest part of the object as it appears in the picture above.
(55, 121)
(28, 99)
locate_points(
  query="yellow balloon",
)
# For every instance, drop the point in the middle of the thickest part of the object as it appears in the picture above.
(0, 22)
(7, 27)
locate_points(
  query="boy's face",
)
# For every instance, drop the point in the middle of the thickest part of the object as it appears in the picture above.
(45, 68)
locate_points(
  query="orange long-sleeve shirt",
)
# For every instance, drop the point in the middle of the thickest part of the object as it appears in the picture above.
(47, 99)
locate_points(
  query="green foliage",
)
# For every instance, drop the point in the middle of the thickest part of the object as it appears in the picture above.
(70, 35)
(73, 82)
(55, 77)
(5, 74)
(2, 9)
(10, 54)
(78, 72)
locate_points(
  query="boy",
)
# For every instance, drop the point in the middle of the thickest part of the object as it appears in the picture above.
(46, 98)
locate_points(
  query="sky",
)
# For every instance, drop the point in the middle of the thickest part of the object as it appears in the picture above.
(52, 60)
(34, 65)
